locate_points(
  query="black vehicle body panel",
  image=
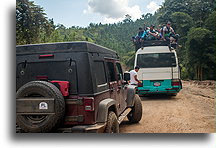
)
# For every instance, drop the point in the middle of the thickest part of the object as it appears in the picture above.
(92, 72)
(62, 65)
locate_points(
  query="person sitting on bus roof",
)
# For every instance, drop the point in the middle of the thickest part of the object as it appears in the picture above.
(160, 31)
(152, 34)
(168, 32)
(140, 36)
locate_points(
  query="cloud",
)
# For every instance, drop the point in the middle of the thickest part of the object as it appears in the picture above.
(152, 6)
(111, 20)
(113, 10)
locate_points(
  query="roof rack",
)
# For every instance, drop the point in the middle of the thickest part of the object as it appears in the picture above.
(154, 43)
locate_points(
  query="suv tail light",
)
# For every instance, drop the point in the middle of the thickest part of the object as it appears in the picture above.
(176, 82)
(89, 104)
(63, 87)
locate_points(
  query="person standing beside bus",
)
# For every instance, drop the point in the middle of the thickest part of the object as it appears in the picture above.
(133, 76)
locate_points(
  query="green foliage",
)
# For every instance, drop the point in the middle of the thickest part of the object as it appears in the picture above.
(198, 44)
(194, 20)
(129, 59)
(210, 22)
(200, 51)
(197, 9)
(31, 24)
(182, 22)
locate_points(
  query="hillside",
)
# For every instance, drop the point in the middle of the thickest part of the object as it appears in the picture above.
(194, 20)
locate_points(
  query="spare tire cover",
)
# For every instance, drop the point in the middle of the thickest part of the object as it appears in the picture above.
(41, 123)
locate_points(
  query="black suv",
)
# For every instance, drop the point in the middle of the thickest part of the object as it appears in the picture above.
(72, 87)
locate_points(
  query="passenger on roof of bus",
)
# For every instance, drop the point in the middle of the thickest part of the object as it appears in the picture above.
(140, 36)
(160, 30)
(168, 33)
(152, 34)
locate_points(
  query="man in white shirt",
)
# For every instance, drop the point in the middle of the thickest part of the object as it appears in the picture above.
(133, 76)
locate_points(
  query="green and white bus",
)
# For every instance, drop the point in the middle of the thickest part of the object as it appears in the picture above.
(159, 70)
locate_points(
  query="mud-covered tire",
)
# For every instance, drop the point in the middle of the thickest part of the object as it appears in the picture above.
(136, 113)
(41, 123)
(112, 125)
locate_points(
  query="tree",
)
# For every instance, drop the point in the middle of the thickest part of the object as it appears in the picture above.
(31, 21)
(127, 18)
(128, 59)
(199, 51)
(201, 10)
(197, 9)
(210, 25)
(182, 22)
(210, 22)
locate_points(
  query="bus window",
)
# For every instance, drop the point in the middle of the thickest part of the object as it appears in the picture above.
(156, 60)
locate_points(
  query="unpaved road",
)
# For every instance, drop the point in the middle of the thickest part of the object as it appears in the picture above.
(191, 111)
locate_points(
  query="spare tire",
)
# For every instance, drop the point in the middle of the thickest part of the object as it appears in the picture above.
(41, 123)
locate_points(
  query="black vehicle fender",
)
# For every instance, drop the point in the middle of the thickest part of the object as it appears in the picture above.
(131, 91)
(105, 106)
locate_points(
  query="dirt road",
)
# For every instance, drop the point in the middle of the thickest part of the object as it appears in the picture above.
(191, 111)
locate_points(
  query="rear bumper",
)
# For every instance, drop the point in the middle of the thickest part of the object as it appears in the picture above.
(166, 86)
(96, 128)
(143, 91)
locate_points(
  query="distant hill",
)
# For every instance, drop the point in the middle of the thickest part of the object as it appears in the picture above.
(194, 20)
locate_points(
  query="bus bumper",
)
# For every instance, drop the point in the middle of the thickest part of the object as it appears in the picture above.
(146, 91)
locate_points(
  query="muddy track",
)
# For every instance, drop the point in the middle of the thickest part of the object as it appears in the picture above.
(191, 111)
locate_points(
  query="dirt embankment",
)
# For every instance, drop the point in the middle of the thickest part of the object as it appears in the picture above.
(191, 111)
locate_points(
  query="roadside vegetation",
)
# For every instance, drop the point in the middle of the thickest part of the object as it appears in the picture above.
(194, 20)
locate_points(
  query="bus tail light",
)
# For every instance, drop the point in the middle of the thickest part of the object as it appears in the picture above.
(176, 82)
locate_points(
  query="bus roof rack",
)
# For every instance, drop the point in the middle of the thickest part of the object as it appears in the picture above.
(154, 43)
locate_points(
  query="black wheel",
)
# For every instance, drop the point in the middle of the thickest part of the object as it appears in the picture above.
(112, 123)
(136, 113)
(41, 123)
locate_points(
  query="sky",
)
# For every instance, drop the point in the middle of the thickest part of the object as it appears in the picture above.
(83, 12)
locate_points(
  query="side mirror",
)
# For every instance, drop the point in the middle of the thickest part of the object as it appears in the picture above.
(126, 76)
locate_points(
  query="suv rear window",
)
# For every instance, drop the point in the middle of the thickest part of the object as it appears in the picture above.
(53, 70)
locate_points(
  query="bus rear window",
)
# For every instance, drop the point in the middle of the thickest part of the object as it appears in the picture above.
(156, 60)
